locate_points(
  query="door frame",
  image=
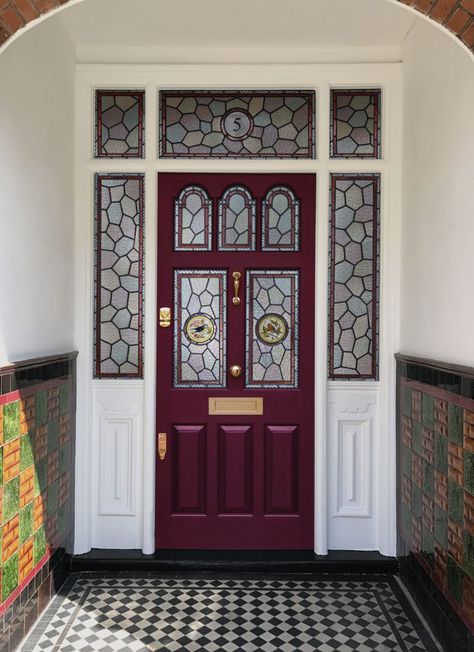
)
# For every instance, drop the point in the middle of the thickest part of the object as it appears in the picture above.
(130, 523)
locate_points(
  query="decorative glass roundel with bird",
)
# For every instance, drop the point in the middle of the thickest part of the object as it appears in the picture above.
(271, 328)
(199, 328)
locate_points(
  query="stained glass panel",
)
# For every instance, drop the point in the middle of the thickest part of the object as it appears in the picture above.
(119, 124)
(354, 276)
(272, 328)
(280, 220)
(199, 338)
(237, 124)
(119, 275)
(355, 124)
(237, 211)
(193, 220)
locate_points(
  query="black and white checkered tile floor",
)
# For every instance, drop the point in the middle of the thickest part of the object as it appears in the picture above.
(204, 614)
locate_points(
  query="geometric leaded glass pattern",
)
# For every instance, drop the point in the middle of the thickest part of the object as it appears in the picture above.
(193, 220)
(354, 276)
(119, 130)
(199, 338)
(355, 124)
(237, 124)
(280, 220)
(237, 214)
(119, 256)
(272, 328)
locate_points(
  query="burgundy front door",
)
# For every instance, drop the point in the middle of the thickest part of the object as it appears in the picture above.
(236, 270)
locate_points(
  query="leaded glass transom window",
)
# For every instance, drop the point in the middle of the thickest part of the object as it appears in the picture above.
(237, 215)
(119, 276)
(280, 220)
(354, 276)
(193, 220)
(355, 124)
(120, 124)
(237, 124)
(272, 328)
(199, 337)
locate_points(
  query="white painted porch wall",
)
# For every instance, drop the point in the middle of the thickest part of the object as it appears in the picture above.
(36, 194)
(438, 230)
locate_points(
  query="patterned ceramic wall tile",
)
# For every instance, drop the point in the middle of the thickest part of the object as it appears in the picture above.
(120, 128)
(355, 124)
(237, 124)
(436, 493)
(354, 265)
(36, 464)
(119, 259)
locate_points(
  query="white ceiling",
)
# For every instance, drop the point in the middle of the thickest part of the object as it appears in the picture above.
(187, 31)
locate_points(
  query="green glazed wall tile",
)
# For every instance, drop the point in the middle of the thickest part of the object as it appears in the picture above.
(26, 452)
(469, 553)
(63, 520)
(416, 502)
(9, 576)
(64, 458)
(427, 411)
(11, 420)
(428, 479)
(52, 504)
(41, 476)
(441, 527)
(417, 438)
(441, 453)
(64, 399)
(455, 424)
(455, 580)
(39, 545)
(406, 523)
(11, 499)
(407, 402)
(469, 472)
(53, 435)
(455, 501)
(26, 522)
(428, 546)
(406, 460)
(41, 408)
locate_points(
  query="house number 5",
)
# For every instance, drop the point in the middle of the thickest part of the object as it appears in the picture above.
(237, 124)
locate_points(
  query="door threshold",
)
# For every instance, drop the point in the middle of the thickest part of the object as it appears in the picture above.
(223, 561)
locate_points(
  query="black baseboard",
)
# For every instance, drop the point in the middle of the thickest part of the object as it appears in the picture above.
(259, 561)
(445, 623)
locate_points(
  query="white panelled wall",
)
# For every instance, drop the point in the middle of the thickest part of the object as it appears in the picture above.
(354, 459)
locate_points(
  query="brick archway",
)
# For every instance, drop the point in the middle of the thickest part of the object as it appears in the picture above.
(456, 15)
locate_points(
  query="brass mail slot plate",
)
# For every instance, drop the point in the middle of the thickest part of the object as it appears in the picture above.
(238, 405)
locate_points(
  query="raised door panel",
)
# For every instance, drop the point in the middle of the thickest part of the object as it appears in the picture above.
(188, 451)
(235, 469)
(281, 470)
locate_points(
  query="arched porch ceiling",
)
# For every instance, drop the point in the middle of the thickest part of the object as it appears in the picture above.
(457, 16)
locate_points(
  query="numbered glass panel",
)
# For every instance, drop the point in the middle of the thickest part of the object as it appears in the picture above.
(237, 124)
(355, 124)
(193, 220)
(199, 338)
(237, 211)
(120, 124)
(272, 328)
(280, 220)
(354, 276)
(118, 332)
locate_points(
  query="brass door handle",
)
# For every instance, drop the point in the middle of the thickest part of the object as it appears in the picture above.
(165, 317)
(162, 444)
(235, 371)
(236, 276)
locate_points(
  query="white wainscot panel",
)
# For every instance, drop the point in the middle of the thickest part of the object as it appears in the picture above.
(117, 464)
(352, 438)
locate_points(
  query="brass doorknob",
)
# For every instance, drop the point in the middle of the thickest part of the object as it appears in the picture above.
(235, 371)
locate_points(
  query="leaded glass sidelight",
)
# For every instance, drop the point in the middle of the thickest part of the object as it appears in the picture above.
(237, 124)
(354, 276)
(280, 220)
(199, 338)
(192, 220)
(237, 214)
(355, 124)
(118, 318)
(272, 328)
(119, 130)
